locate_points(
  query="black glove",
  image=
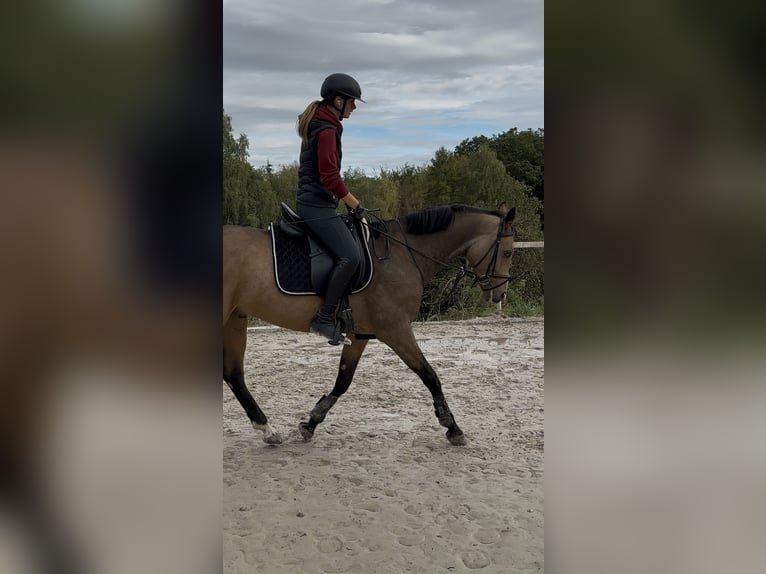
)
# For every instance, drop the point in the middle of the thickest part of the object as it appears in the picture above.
(359, 212)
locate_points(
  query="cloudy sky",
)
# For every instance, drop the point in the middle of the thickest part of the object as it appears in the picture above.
(433, 73)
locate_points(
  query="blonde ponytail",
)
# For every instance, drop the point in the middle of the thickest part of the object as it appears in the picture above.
(302, 124)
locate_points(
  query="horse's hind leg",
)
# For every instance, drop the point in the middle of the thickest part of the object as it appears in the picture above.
(234, 341)
(349, 359)
(406, 347)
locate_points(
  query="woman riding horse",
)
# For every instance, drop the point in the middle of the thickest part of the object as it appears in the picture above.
(320, 188)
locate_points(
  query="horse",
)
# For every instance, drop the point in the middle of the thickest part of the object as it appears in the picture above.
(409, 251)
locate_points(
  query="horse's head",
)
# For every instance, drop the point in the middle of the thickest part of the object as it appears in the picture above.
(490, 257)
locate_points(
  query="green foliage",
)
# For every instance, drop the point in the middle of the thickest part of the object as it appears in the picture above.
(380, 192)
(480, 179)
(522, 154)
(412, 183)
(443, 301)
(251, 196)
(236, 175)
(283, 183)
(483, 172)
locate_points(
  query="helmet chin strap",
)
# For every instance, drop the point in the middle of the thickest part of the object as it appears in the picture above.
(343, 107)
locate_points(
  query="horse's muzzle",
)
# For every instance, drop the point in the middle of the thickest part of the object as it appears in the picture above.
(496, 295)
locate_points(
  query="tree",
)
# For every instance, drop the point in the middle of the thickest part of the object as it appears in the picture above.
(284, 182)
(412, 184)
(521, 152)
(236, 174)
(380, 193)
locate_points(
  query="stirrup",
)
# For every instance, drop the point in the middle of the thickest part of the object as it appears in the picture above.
(338, 337)
(331, 331)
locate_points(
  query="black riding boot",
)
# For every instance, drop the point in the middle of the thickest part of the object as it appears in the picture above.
(324, 321)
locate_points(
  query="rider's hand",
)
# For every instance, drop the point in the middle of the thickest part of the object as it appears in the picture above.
(359, 212)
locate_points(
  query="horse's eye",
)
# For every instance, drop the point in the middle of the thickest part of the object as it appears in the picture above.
(507, 254)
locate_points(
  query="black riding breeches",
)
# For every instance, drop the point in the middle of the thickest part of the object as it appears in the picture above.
(332, 232)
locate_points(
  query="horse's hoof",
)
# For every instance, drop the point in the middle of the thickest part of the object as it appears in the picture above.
(269, 436)
(306, 433)
(273, 438)
(456, 438)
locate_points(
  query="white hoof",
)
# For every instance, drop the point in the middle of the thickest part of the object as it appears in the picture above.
(269, 436)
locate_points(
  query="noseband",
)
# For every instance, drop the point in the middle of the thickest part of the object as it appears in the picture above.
(484, 280)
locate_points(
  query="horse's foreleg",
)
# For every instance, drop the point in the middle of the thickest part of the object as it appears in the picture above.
(407, 348)
(348, 361)
(234, 340)
(236, 382)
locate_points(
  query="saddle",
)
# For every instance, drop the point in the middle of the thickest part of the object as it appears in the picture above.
(302, 265)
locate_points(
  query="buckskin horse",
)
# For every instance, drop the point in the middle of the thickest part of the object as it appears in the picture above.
(415, 248)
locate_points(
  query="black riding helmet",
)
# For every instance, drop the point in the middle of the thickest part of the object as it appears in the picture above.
(341, 85)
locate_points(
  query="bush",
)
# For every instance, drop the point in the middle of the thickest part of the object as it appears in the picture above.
(525, 297)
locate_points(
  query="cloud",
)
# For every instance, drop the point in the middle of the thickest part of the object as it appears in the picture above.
(435, 69)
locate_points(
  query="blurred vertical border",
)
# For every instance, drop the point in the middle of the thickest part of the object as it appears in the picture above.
(655, 181)
(110, 248)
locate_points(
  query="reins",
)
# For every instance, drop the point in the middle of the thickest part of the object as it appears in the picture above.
(462, 270)
(484, 281)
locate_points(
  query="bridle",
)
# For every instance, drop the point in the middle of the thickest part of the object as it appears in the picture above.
(484, 280)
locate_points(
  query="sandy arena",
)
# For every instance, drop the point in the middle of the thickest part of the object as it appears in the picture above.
(379, 489)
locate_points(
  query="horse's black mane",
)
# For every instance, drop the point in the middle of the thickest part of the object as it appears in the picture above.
(433, 219)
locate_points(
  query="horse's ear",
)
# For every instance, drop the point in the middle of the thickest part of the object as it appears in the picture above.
(510, 215)
(502, 208)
